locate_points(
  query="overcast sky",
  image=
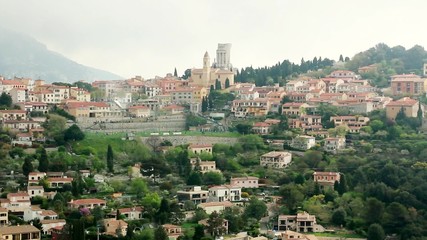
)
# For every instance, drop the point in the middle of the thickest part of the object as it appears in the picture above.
(149, 38)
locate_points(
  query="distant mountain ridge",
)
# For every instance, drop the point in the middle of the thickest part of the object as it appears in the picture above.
(24, 56)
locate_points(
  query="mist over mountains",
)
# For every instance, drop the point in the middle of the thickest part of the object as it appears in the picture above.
(24, 56)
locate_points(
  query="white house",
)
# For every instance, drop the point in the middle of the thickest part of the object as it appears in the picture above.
(276, 159)
(224, 193)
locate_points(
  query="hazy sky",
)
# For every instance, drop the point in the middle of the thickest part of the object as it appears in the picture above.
(149, 38)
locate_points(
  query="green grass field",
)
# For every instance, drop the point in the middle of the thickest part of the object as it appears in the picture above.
(342, 234)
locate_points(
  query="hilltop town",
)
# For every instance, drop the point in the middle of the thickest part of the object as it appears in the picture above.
(327, 150)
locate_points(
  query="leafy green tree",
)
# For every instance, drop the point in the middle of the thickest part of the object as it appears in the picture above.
(192, 120)
(291, 196)
(16, 151)
(5, 100)
(252, 142)
(376, 232)
(163, 214)
(215, 225)
(339, 216)
(234, 218)
(55, 126)
(27, 167)
(374, 210)
(244, 128)
(73, 133)
(194, 179)
(160, 234)
(213, 178)
(110, 159)
(376, 125)
(255, 209)
(199, 232)
(139, 187)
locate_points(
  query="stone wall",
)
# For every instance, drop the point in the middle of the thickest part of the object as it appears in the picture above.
(160, 124)
(179, 140)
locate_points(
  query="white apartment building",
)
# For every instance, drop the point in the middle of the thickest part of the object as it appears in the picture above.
(276, 159)
(245, 182)
(225, 193)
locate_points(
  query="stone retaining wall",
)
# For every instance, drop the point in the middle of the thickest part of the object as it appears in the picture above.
(179, 140)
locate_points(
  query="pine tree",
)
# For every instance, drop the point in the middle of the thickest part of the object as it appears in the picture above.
(27, 167)
(110, 158)
(43, 161)
(175, 73)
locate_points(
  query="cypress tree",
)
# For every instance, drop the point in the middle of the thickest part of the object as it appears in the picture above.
(175, 73)
(341, 58)
(27, 167)
(110, 157)
(227, 83)
(204, 104)
(43, 161)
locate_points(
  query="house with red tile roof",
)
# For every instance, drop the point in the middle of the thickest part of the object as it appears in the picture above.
(410, 107)
(87, 203)
(199, 148)
(139, 111)
(326, 179)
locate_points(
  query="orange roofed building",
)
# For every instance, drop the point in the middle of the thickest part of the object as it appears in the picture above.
(87, 109)
(87, 203)
(410, 107)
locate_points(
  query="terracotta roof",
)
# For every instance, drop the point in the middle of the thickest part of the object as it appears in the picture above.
(403, 102)
(13, 111)
(59, 179)
(138, 107)
(86, 104)
(37, 173)
(19, 229)
(326, 173)
(48, 213)
(214, 204)
(87, 201)
(11, 82)
(275, 154)
(48, 221)
(244, 178)
(126, 210)
(293, 104)
(193, 145)
(19, 194)
(170, 107)
(261, 124)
